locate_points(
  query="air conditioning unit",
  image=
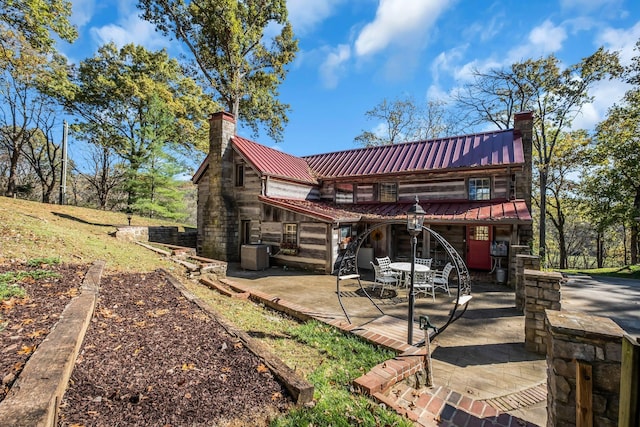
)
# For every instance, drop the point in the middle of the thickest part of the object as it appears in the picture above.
(254, 257)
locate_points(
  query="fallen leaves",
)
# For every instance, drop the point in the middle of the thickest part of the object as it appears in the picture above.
(27, 349)
(262, 368)
(188, 366)
(37, 334)
(158, 312)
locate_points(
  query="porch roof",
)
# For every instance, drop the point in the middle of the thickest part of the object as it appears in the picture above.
(512, 211)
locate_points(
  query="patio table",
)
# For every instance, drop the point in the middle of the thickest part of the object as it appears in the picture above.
(405, 268)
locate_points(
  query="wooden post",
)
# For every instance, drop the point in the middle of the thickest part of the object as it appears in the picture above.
(629, 383)
(584, 395)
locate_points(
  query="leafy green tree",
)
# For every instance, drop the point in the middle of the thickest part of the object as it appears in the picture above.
(617, 155)
(34, 20)
(155, 184)
(554, 94)
(242, 65)
(562, 201)
(115, 93)
(403, 120)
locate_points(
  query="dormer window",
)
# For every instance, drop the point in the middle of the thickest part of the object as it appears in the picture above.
(388, 192)
(479, 188)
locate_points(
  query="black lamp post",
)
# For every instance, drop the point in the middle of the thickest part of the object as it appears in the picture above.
(415, 219)
(129, 214)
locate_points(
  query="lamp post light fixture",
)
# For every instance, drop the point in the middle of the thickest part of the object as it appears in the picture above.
(415, 219)
(129, 214)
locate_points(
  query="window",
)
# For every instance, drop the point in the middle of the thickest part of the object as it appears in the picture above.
(479, 232)
(239, 175)
(388, 192)
(290, 235)
(479, 188)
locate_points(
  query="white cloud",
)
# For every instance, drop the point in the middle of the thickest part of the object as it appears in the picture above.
(129, 28)
(333, 66)
(548, 36)
(445, 61)
(397, 21)
(605, 94)
(81, 12)
(305, 15)
(621, 40)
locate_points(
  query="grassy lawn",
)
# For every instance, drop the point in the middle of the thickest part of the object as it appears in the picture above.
(326, 357)
(626, 272)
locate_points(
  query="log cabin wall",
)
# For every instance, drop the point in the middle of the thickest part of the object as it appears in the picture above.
(291, 190)
(314, 245)
(425, 186)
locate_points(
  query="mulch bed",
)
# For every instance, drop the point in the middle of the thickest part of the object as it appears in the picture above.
(150, 356)
(25, 322)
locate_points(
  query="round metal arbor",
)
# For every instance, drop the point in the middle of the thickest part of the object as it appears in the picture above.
(348, 269)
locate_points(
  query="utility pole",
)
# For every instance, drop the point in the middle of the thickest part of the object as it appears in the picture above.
(63, 177)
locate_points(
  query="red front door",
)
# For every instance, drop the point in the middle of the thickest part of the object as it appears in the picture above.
(478, 246)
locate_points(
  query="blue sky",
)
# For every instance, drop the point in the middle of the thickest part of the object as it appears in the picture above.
(355, 53)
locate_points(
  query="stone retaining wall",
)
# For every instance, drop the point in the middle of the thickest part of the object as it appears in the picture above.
(542, 292)
(160, 234)
(584, 354)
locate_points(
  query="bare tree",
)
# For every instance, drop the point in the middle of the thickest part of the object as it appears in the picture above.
(404, 120)
(554, 94)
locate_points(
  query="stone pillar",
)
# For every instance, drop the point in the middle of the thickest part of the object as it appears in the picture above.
(578, 338)
(219, 235)
(523, 126)
(514, 251)
(529, 262)
(542, 292)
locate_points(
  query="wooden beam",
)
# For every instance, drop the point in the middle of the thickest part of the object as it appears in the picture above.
(629, 383)
(584, 395)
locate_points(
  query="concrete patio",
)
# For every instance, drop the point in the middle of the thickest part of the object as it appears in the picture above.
(481, 356)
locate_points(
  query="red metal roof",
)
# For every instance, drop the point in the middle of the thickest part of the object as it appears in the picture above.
(464, 212)
(272, 162)
(484, 149)
(498, 148)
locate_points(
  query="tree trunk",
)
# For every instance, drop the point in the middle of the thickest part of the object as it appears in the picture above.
(599, 249)
(562, 242)
(634, 228)
(542, 227)
(13, 171)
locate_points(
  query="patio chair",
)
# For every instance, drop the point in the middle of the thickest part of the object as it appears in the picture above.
(424, 261)
(441, 278)
(384, 263)
(423, 284)
(382, 279)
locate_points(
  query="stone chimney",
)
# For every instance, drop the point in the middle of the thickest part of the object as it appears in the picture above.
(523, 125)
(218, 236)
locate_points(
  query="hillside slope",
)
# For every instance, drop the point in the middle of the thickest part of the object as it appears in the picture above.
(31, 230)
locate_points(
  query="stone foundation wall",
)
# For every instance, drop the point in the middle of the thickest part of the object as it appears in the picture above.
(578, 342)
(542, 292)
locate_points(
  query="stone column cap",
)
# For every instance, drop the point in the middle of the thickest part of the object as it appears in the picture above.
(582, 324)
